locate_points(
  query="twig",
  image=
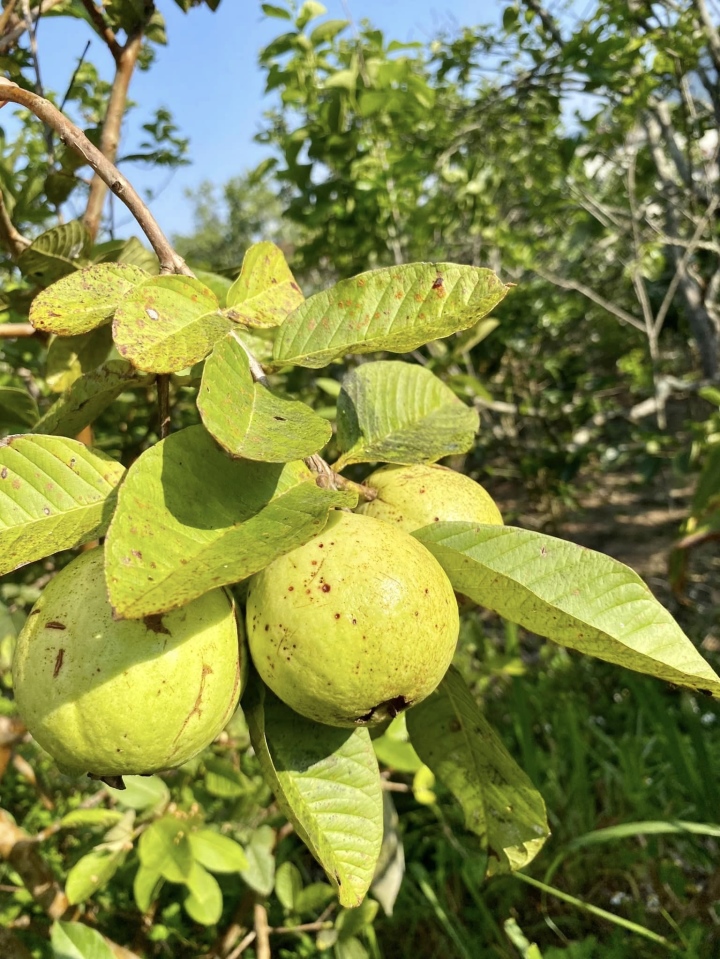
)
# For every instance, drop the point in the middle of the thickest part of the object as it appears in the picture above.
(27, 14)
(617, 311)
(81, 60)
(163, 392)
(72, 136)
(11, 331)
(11, 36)
(242, 945)
(110, 136)
(262, 931)
(13, 241)
(103, 28)
(316, 926)
(6, 15)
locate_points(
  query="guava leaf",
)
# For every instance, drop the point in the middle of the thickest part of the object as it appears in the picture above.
(395, 309)
(250, 420)
(130, 251)
(390, 868)
(222, 779)
(266, 291)
(394, 412)
(88, 396)
(501, 805)
(146, 885)
(142, 792)
(327, 783)
(165, 848)
(102, 818)
(205, 902)
(572, 595)
(55, 493)
(288, 884)
(168, 323)
(84, 300)
(17, 407)
(68, 357)
(216, 852)
(55, 254)
(215, 282)
(92, 872)
(75, 940)
(190, 518)
(259, 873)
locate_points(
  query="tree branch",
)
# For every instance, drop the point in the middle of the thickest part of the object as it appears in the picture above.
(711, 33)
(617, 311)
(19, 26)
(13, 241)
(110, 136)
(170, 261)
(16, 331)
(103, 29)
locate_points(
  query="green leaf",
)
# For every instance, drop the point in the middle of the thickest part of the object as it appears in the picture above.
(55, 494)
(91, 817)
(168, 323)
(260, 871)
(395, 309)
(351, 921)
(326, 781)
(216, 852)
(390, 868)
(141, 792)
(572, 595)
(88, 396)
(313, 898)
(223, 780)
(394, 412)
(270, 10)
(68, 357)
(94, 871)
(265, 291)
(190, 519)
(165, 848)
(350, 949)
(288, 885)
(205, 902)
(327, 31)
(84, 300)
(310, 10)
(394, 750)
(215, 282)
(146, 886)
(500, 803)
(17, 407)
(258, 424)
(75, 940)
(55, 254)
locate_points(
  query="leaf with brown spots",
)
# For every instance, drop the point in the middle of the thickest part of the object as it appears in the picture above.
(396, 309)
(55, 493)
(266, 291)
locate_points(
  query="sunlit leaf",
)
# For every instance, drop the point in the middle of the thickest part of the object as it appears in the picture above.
(500, 803)
(68, 357)
(55, 254)
(326, 781)
(395, 309)
(266, 291)
(84, 300)
(572, 595)
(55, 493)
(394, 412)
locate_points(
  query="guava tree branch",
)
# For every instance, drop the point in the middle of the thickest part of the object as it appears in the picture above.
(103, 29)
(72, 136)
(110, 137)
(15, 26)
(13, 241)
(16, 331)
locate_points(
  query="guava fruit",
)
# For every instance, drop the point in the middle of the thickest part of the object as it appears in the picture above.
(355, 626)
(118, 697)
(411, 497)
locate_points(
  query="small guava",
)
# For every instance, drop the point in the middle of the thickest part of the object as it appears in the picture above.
(411, 497)
(355, 626)
(119, 697)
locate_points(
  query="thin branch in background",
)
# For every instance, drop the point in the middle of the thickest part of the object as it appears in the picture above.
(110, 136)
(163, 393)
(617, 311)
(19, 25)
(638, 280)
(13, 241)
(262, 931)
(6, 15)
(70, 85)
(72, 136)
(103, 29)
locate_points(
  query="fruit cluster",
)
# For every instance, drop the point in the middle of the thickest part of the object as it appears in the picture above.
(350, 629)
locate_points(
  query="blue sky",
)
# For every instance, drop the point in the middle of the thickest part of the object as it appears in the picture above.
(208, 77)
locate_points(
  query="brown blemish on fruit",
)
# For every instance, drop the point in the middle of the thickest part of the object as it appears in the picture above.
(326, 587)
(290, 589)
(54, 624)
(155, 624)
(137, 554)
(206, 670)
(58, 662)
(337, 615)
(388, 709)
(3, 473)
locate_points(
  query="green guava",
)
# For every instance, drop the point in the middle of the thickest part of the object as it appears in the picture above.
(119, 697)
(411, 497)
(355, 626)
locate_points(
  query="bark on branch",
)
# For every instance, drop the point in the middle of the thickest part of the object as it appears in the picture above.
(72, 136)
